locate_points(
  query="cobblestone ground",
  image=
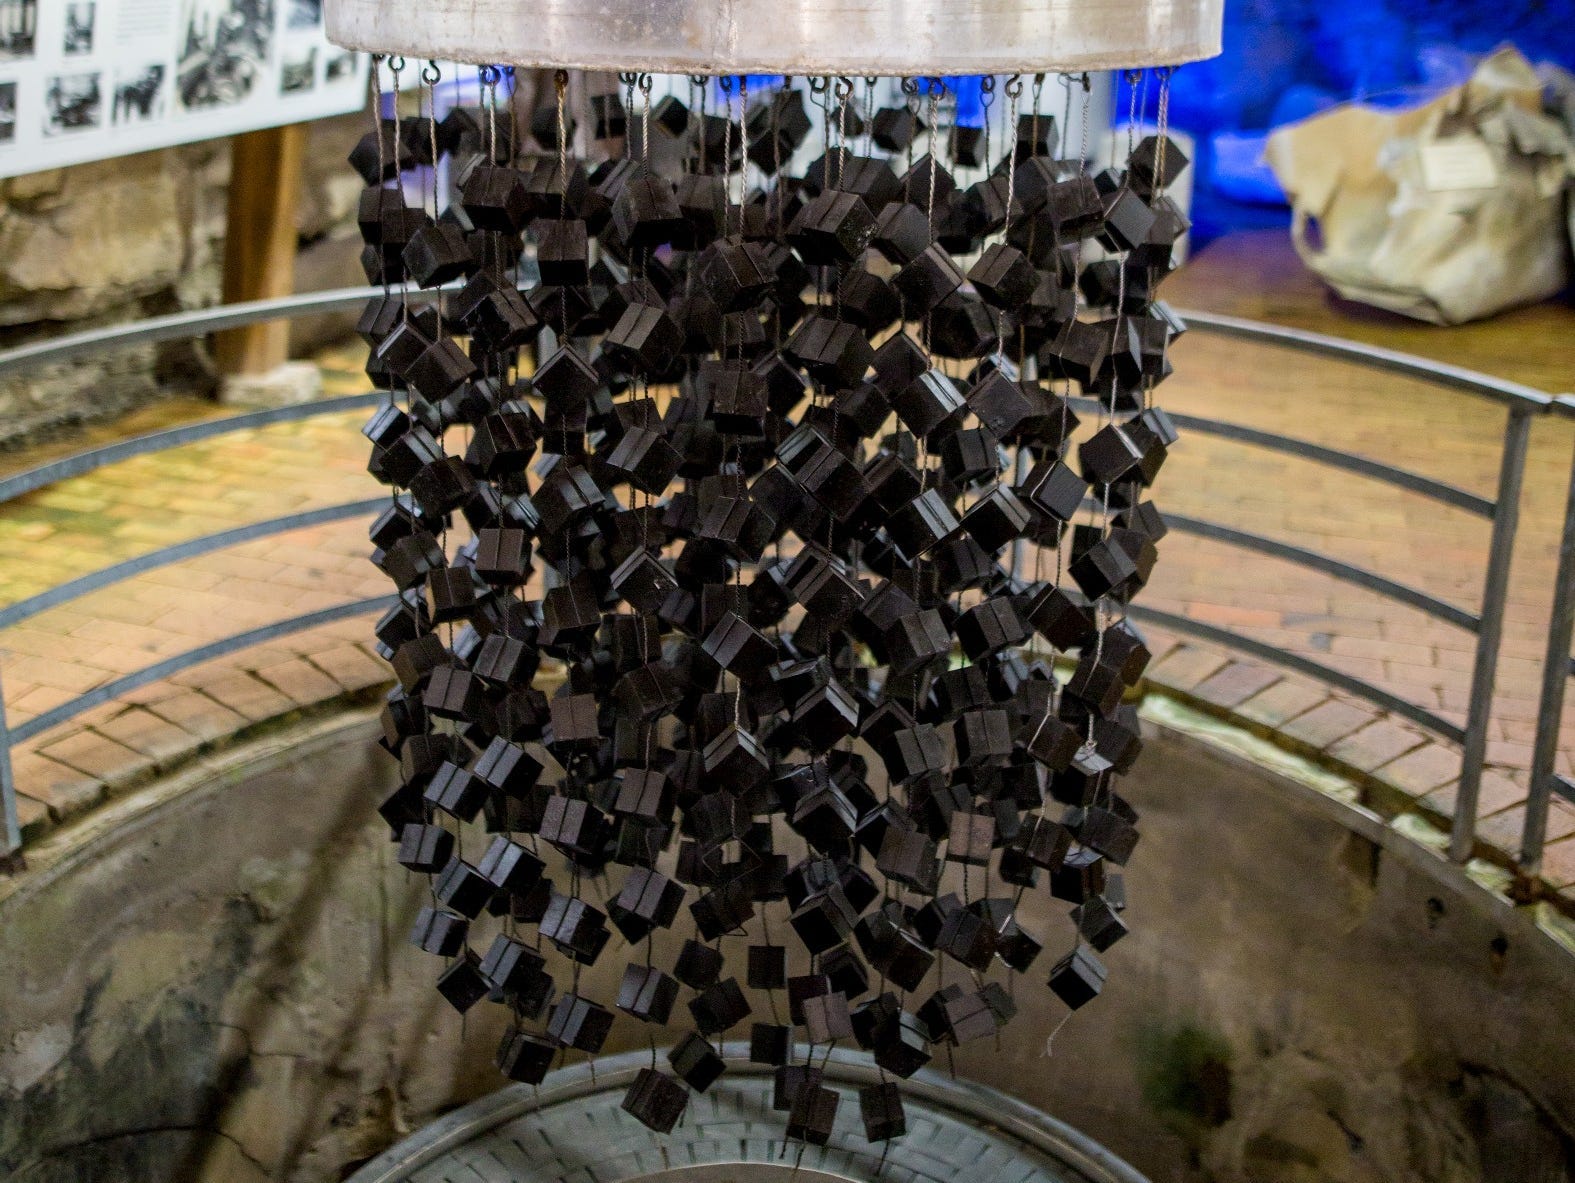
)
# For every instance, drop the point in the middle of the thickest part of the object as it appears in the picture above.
(130, 508)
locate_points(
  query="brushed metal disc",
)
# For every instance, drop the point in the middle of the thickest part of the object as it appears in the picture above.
(852, 37)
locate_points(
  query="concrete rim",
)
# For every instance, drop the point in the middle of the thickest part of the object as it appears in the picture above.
(974, 1104)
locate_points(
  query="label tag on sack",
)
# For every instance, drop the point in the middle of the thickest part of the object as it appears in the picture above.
(1459, 162)
(1551, 173)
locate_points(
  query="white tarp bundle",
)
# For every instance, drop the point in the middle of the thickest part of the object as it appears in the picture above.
(1448, 212)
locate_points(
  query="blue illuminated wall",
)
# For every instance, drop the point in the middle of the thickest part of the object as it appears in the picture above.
(1286, 59)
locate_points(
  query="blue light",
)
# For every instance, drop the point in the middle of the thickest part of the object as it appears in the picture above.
(1285, 60)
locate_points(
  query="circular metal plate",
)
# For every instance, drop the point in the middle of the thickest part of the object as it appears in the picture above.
(574, 1128)
(852, 37)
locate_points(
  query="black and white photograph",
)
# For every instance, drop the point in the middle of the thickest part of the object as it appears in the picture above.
(73, 102)
(304, 14)
(298, 72)
(224, 49)
(78, 38)
(339, 67)
(18, 29)
(139, 95)
(7, 113)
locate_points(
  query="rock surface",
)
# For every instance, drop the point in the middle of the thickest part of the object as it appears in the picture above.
(138, 236)
(220, 989)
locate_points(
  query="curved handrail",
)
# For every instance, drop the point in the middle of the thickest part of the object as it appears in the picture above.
(1523, 401)
(193, 322)
(80, 463)
(1302, 665)
(173, 665)
(1346, 461)
(63, 593)
(1372, 356)
(1247, 540)
(201, 321)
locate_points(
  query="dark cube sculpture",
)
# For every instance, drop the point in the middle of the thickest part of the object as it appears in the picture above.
(724, 507)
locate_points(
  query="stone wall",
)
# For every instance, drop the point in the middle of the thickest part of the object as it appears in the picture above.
(213, 984)
(141, 236)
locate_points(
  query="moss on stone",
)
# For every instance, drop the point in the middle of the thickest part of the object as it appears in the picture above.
(1186, 1078)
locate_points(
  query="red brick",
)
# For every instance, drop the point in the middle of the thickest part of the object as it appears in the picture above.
(1235, 617)
(64, 791)
(98, 756)
(1186, 666)
(1283, 701)
(1328, 722)
(351, 666)
(1376, 744)
(32, 818)
(142, 731)
(58, 674)
(1509, 753)
(1423, 769)
(1558, 863)
(250, 698)
(1235, 683)
(1500, 789)
(1561, 820)
(198, 715)
(300, 681)
(1504, 830)
(29, 700)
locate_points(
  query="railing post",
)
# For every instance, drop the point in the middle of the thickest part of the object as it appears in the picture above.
(1550, 707)
(1495, 588)
(11, 840)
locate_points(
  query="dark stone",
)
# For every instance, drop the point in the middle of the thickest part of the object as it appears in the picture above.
(1078, 978)
(647, 993)
(579, 1023)
(655, 1100)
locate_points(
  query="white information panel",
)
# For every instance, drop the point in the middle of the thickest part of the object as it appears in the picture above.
(86, 79)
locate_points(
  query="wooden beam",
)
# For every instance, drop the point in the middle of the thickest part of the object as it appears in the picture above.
(259, 242)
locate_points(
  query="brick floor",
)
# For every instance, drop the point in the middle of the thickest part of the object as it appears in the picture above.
(127, 509)
(1235, 683)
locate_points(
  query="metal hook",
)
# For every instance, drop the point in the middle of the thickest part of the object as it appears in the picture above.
(645, 84)
(430, 74)
(910, 86)
(627, 77)
(489, 75)
(396, 63)
(1014, 86)
(843, 87)
(819, 84)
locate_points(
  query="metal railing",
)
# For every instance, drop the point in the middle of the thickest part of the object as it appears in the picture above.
(1558, 667)
(1522, 404)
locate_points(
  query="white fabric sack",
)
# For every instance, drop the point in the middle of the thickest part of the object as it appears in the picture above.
(1448, 212)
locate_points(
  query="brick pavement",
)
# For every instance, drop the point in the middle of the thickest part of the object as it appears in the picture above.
(149, 502)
